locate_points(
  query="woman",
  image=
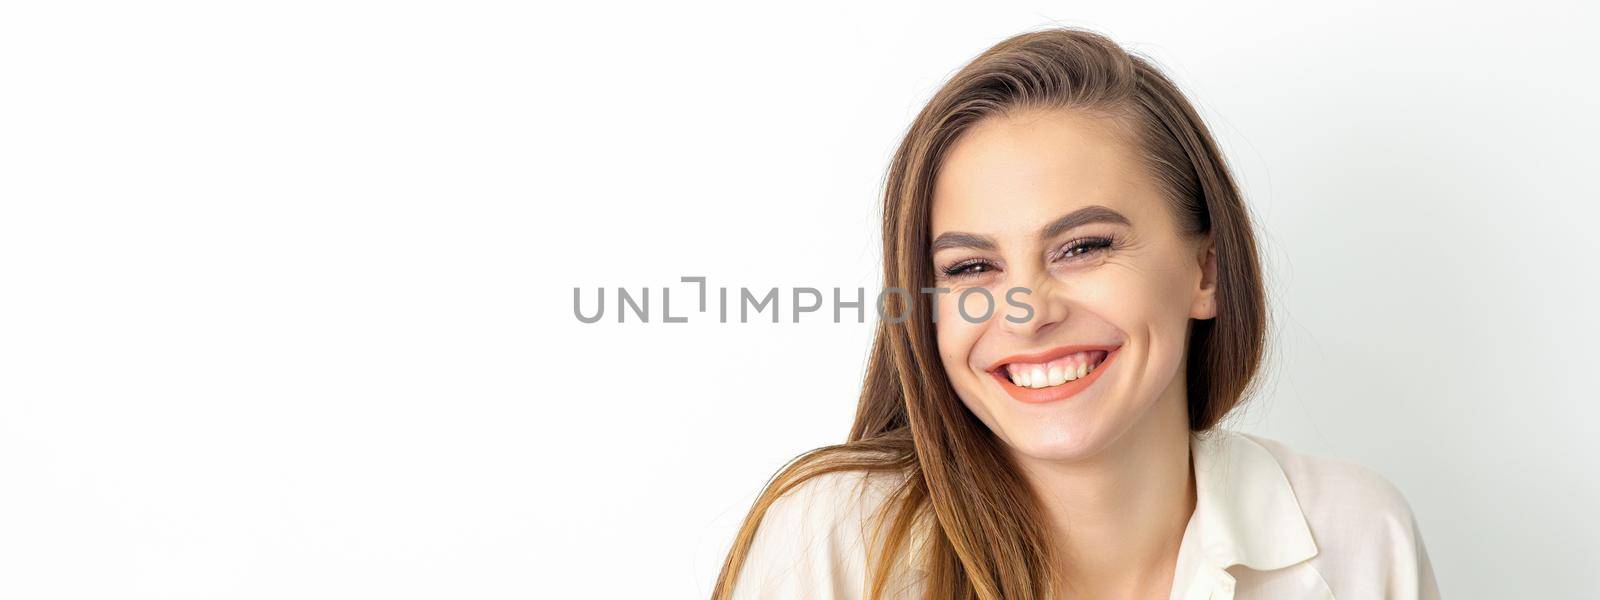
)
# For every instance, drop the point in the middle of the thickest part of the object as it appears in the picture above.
(1066, 446)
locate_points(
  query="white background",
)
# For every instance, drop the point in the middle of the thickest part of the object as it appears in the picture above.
(286, 287)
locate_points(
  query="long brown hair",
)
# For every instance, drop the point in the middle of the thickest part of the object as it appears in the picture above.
(986, 537)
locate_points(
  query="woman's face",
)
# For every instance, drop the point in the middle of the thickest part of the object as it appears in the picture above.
(1056, 202)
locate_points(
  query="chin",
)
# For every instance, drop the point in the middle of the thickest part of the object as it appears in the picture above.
(1070, 431)
(1056, 442)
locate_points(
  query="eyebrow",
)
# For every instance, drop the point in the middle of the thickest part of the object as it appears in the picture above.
(1065, 223)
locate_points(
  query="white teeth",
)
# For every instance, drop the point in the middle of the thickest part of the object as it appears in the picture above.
(1051, 374)
(1058, 375)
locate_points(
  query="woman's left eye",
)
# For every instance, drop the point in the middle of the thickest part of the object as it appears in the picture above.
(1083, 246)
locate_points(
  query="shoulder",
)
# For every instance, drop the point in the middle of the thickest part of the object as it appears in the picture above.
(1323, 482)
(813, 540)
(834, 504)
(1367, 537)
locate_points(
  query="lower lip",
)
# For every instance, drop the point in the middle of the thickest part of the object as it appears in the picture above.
(1058, 392)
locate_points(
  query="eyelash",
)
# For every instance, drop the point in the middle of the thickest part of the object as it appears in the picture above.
(1075, 248)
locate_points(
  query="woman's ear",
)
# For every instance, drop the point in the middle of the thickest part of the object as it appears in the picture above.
(1205, 298)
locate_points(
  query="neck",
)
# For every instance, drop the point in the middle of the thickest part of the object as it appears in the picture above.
(1119, 516)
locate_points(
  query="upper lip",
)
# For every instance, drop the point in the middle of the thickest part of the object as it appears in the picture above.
(1045, 356)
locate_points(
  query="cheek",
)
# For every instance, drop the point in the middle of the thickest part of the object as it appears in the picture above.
(975, 304)
(1146, 293)
(1126, 298)
(1148, 304)
(957, 337)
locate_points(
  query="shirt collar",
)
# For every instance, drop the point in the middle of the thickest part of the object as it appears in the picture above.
(1245, 511)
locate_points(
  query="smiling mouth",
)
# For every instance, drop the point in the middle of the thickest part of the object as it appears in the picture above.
(1054, 374)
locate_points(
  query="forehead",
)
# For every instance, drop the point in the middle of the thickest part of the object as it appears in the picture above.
(1012, 174)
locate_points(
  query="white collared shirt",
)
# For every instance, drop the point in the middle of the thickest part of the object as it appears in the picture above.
(1268, 522)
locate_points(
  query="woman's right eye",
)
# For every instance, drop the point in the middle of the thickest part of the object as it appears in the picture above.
(968, 268)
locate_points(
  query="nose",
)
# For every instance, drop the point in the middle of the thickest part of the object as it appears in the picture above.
(1038, 307)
